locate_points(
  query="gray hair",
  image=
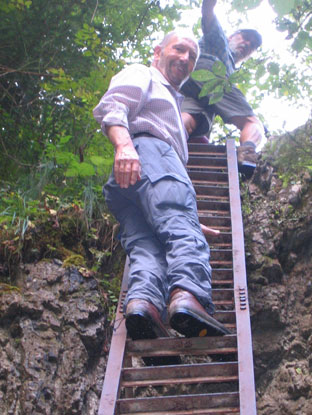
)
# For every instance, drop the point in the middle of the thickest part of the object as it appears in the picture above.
(181, 34)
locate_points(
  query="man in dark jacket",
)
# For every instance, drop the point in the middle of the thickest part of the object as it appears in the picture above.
(198, 114)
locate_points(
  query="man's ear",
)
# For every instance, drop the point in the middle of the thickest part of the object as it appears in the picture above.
(157, 52)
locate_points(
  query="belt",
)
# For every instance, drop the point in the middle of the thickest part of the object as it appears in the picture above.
(143, 135)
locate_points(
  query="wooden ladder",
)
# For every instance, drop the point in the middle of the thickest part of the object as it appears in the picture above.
(216, 374)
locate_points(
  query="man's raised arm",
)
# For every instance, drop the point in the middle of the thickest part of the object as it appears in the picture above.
(207, 13)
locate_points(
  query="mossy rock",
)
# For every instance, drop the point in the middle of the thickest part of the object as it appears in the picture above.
(74, 261)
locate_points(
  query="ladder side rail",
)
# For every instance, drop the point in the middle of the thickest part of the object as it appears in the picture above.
(244, 339)
(111, 385)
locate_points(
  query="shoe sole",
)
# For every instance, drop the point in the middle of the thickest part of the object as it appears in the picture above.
(192, 325)
(141, 327)
(247, 169)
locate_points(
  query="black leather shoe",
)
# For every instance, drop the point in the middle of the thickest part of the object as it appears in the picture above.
(188, 316)
(143, 322)
(247, 160)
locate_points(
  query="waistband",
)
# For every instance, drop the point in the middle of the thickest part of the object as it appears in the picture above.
(143, 135)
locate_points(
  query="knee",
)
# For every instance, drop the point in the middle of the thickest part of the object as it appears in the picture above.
(189, 122)
(243, 122)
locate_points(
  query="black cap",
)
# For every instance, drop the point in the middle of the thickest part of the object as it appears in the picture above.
(252, 35)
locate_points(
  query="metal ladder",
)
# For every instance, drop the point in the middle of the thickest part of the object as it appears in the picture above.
(220, 369)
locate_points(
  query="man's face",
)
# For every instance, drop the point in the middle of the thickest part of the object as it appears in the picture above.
(176, 60)
(241, 46)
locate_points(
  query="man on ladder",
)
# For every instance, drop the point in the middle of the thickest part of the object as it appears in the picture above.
(152, 197)
(198, 114)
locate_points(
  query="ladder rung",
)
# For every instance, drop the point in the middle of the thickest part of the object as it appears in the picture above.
(223, 302)
(221, 264)
(182, 374)
(205, 161)
(217, 221)
(200, 197)
(222, 294)
(216, 411)
(222, 273)
(204, 205)
(206, 148)
(209, 183)
(222, 282)
(212, 212)
(206, 168)
(221, 254)
(215, 245)
(209, 177)
(211, 190)
(181, 345)
(189, 403)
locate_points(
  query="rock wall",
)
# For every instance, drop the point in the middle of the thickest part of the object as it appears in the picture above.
(55, 333)
(53, 336)
(278, 234)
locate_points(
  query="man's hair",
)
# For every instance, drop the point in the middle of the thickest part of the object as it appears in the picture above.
(181, 34)
(252, 35)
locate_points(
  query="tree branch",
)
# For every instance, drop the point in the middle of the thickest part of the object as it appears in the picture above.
(140, 22)
(11, 70)
(96, 6)
(13, 158)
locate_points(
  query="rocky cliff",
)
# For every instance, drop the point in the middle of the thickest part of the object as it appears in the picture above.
(55, 321)
(278, 238)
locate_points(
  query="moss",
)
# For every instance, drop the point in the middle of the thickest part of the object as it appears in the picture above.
(65, 237)
(7, 288)
(74, 261)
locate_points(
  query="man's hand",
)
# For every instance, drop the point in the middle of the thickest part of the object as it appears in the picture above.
(209, 231)
(127, 168)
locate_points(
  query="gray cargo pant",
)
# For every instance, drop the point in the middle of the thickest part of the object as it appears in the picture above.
(160, 230)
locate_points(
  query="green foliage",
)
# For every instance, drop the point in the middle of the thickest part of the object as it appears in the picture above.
(56, 61)
(7, 288)
(291, 154)
(281, 7)
(74, 260)
(242, 5)
(293, 16)
(215, 82)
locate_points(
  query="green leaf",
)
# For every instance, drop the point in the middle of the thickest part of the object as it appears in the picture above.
(301, 41)
(101, 161)
(242, 5)
(204, 91)
(4, 219)
(86, 169)
(308, 26)
(219, 68)
(228, 87)
(203, 75)
(261, 70)
(216, 98)
(65, 139)
(236, 77)
(209, 87)
(282, 7)
(72, 172)
(64, 157)
(273, 68)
